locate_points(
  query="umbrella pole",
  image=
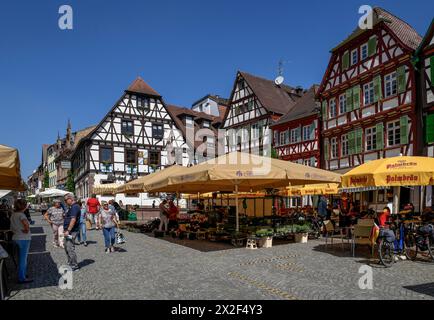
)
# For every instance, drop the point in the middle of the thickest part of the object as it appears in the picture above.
(237, 223)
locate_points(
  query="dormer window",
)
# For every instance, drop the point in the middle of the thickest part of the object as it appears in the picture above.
(206, 124)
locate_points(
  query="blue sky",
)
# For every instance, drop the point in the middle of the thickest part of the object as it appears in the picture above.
(183, 49)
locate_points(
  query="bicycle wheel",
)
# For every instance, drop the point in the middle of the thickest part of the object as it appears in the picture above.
(431, 248)
(386, 254)
(410, 246)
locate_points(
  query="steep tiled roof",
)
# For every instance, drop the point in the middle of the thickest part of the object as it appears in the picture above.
(276, 99)
(304, 107)
(399, 27)
(140, 86)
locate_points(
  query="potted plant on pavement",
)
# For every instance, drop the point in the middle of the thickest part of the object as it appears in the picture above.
(302, 233)
(266, 237)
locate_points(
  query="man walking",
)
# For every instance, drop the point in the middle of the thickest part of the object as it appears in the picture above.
(71, 227)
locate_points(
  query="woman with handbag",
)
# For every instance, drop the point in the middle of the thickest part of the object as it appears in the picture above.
(108, 223)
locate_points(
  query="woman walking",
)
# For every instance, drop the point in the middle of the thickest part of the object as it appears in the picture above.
(81, 236)
(54, 217)
(22, 238)
(108, 222)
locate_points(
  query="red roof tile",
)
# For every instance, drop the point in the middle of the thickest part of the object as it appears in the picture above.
(140, 86)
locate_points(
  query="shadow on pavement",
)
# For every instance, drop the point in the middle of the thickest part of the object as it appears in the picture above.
(85, 263)
(37, 230)
(426, 288)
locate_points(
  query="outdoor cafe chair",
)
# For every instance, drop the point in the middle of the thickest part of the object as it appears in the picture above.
(362, 234)
(330, 233)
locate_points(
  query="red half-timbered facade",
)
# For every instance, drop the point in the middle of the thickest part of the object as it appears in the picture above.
(368, 95)
(296, 136)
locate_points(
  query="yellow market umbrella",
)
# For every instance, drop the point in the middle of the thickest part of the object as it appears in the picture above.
(10, 175)
(238, 171)
(141, 184)
(313, 189)
(391, 172)
(109, 188)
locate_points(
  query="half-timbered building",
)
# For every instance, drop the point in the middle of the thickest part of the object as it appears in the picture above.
(368, 95)
(296, 135)
(136, 137)
(254, 104)
(424, 60)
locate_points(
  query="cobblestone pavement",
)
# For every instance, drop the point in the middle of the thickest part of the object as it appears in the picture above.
(151, 268)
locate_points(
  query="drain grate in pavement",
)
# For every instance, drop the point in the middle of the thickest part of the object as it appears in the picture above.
(263, 286)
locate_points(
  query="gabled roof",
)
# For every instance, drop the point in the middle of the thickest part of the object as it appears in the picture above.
(140, 86)
(304, 107)
(399, 27)
(214, 97)
(276, 99)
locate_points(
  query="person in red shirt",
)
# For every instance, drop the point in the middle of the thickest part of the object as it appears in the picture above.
(173, 215)
(93, 208)
(383, 217)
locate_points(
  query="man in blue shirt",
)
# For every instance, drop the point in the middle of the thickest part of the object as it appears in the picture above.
(322, 207)
(71, 228)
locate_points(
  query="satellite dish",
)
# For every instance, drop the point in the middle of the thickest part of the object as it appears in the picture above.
(279, 80)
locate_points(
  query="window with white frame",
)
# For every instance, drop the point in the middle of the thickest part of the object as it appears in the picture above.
(282, 138)
(334, 147)
(393, 133)
(306, 133)
(206, 124)
(342, 103)
(368, 93)
(354, 57)
(364, 51)
(390, 85)
(294, 135)
(344, 145)
(332, 108)
(371, 138)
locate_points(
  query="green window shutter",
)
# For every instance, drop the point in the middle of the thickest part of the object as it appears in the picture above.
(372, 46)
(356, 97)
(400, 77)
(345, 60)
(431, 66)
(324, 110)
(299, 132)
(358, 140)
(351, 142)
(326, 149)
(404, 129)
(349, 100)
(377, 88)
(429, 128)
(380, 136)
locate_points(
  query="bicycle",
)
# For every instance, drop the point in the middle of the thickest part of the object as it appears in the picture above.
(419, 239)
(388, 248)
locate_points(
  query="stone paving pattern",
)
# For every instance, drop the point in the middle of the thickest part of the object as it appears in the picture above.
(152, 268)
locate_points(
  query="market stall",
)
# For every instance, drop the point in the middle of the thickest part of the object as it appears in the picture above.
(241, 172)
(53, 193)
(10, 175)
